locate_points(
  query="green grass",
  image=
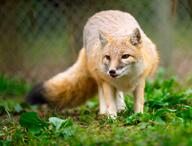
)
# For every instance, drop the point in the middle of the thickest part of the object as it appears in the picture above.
(12, 86)
(167, 120)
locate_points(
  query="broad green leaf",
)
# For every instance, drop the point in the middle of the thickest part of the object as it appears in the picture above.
(58, 123)
(18, 108)
(188, 92)
(31, 121)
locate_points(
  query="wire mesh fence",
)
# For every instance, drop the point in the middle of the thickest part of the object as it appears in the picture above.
(39, 38)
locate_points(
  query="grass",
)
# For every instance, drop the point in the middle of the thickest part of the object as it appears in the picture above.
(12, 86)
(166, 121)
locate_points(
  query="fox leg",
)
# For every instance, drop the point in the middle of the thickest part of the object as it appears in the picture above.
(139, 97)
(109, 94)
(120, 103)
(102, 104)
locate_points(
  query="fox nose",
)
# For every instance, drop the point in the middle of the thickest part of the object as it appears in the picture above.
(112, 73)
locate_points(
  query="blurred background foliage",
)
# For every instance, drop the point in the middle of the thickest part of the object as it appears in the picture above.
(39, 38)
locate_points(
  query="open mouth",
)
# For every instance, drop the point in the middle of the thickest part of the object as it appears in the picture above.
(113, 75)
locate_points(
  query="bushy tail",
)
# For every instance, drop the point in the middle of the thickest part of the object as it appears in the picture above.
(67, 89)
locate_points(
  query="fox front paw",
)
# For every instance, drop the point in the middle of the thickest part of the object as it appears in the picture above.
(103, 112)
(121, 107)
(110, 116)
(138, 108)
(112, 113)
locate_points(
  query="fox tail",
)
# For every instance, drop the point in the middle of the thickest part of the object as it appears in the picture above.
(67, 89)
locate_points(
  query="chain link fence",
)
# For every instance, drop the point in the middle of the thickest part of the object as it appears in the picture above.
(39, 38)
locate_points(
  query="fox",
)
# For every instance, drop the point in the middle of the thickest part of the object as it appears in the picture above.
(117, 57)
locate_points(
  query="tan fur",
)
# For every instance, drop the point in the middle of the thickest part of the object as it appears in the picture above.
(119, 25)
(117, 29)
(107, 34)
(72, 87)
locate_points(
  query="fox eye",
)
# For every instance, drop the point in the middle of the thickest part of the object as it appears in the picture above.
(125, 56)
(107, 57)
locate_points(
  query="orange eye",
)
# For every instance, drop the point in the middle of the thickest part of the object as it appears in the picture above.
(125, 56)
(107, 57)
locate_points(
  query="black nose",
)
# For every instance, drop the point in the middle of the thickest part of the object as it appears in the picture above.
(112, 73)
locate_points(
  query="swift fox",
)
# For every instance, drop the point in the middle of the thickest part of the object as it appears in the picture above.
(116, 57)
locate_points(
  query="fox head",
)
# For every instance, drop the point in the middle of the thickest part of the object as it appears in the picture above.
(120, 56)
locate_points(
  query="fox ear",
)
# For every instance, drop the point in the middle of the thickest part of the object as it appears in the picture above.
(135, 38)
(104, 38)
